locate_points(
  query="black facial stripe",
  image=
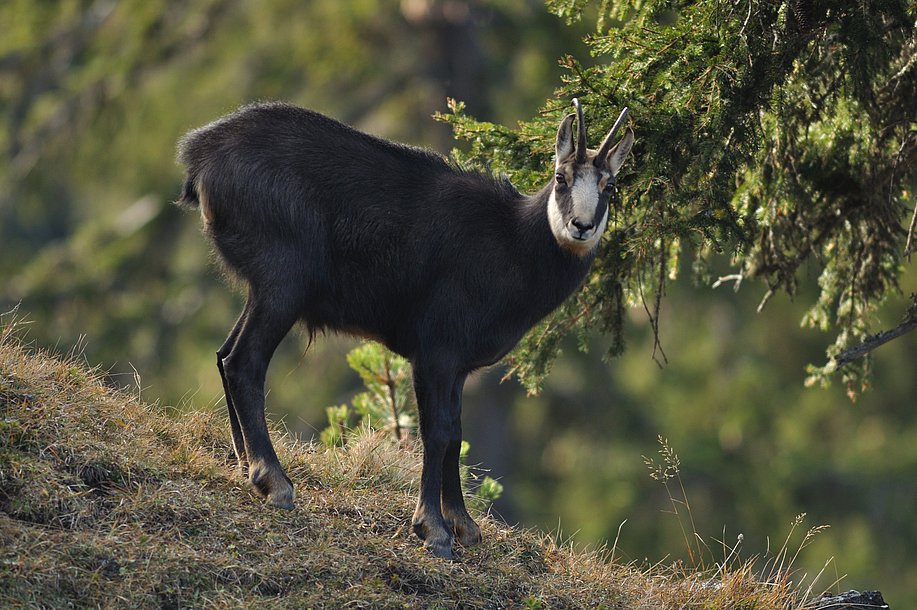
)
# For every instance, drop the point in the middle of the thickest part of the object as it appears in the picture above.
(600, 209)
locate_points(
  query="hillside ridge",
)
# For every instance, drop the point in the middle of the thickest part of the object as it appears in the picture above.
(109, 502)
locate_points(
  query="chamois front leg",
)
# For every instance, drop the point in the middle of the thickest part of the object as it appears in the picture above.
(433, 387)
(463, 526)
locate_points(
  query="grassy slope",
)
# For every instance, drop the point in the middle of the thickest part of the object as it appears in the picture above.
(105, 501)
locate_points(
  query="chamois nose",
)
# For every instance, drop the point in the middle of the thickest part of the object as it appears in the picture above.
(583, 226)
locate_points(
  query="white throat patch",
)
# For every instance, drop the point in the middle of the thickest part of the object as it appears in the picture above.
(556, 220)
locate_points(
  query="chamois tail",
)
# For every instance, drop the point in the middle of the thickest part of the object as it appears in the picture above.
(188, 197)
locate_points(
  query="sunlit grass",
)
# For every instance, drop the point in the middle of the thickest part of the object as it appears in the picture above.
(106, 501)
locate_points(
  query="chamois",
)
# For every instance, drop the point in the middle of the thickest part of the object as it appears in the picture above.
(350, 233)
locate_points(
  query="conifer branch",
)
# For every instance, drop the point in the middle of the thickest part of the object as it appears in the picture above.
(909, 246)
(392, 395)
(907, 324)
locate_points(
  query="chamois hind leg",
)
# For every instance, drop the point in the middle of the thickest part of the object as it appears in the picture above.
(270, 317)
(433, 387)
(238, 441)
(465, 529)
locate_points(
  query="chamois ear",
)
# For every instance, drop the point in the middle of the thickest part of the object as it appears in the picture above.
(564, 146)
(618, 154)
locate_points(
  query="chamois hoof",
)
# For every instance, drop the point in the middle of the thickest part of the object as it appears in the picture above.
(437, 540)
(274, 485)
(284, 500)
(441, 549)
(466, 531)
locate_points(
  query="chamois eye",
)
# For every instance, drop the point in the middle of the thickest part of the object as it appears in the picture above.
(561, 179)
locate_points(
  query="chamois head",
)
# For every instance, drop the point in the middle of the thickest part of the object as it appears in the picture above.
(583, 182)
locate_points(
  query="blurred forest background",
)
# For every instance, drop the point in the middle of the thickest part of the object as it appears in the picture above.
(95, 93)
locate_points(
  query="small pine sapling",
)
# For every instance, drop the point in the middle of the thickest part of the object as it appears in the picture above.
(387, 405)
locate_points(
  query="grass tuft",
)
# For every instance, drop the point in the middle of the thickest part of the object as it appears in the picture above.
(106, 501)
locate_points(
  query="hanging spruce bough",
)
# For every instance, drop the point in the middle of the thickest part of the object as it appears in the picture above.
(781, 134)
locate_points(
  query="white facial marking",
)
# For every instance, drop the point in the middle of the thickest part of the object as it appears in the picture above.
(556, 220)
(585, 195)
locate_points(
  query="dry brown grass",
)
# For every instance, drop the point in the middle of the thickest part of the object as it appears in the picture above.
(108, 502)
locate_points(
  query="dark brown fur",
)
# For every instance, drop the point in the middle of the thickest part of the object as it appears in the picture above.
(347, 232)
